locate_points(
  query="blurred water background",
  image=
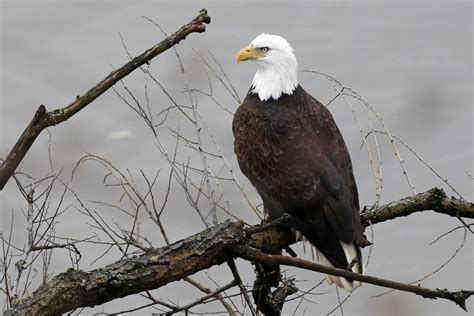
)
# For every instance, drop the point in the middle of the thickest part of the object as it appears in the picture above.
(412, 60)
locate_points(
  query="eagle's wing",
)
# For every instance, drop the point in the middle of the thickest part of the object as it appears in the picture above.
(299, 163)
(338, 177)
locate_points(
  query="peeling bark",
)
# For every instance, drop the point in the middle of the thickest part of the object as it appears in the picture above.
(73, 289)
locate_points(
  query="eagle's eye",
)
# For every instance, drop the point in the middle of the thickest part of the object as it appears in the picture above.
(264, 49)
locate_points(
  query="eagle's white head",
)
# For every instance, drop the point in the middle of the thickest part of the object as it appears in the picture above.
(277, 67)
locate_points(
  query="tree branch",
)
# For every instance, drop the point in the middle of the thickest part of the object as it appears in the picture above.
(214, 246)
(434, 199)
(238, 280)
(218, 296)
(73, 289)
(43, 119)
(204, 298)
(255, 255)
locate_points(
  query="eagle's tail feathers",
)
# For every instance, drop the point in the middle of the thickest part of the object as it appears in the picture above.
(352, 253)
(354, 258)
(332, 279)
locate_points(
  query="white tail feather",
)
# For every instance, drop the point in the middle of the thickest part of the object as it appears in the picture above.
(350, 251)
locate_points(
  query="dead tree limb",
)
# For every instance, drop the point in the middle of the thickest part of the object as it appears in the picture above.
(44, 119)
(73, 289)
(268, 301)
(213, 246)
(434, 199)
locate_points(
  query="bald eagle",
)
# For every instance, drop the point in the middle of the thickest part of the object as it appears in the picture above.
(290, 148)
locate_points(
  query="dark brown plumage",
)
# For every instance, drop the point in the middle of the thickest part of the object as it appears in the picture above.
(294, 154)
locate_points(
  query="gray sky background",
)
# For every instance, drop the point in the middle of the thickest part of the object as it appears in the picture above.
(412, 60)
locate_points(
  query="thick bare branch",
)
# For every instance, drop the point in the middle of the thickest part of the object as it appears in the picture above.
(73, 289)
(215, 246)
(434, 199)
(43, 119)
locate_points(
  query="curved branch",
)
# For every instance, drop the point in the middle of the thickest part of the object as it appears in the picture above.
(434, 199)
(43, 119)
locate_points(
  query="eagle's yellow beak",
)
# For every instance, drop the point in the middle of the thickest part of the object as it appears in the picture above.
(246, 53)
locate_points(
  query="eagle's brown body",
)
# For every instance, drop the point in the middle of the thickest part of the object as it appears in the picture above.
(293, 153)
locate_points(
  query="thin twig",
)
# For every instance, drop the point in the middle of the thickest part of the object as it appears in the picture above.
(203, 299)
(243, 290)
